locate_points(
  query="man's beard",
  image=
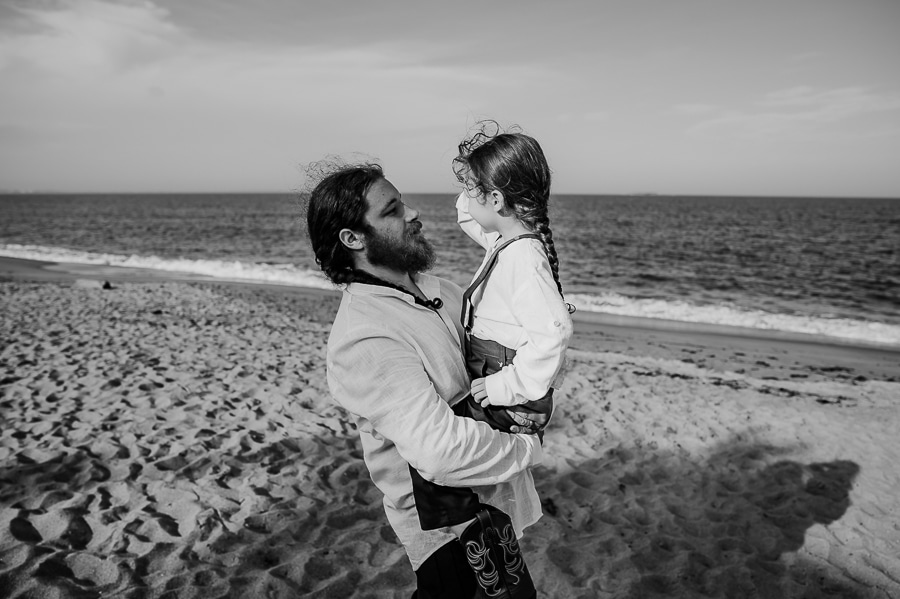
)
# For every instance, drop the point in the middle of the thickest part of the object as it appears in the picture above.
(412, 254)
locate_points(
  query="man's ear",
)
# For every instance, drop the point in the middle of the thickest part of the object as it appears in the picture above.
(498, 202)
(351, 239)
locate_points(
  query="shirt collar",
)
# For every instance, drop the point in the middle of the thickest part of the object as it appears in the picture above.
(430, 286)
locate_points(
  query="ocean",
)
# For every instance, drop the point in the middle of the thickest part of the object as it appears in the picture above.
(825, 266)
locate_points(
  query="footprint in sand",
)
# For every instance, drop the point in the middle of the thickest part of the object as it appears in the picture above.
(78, 534)
(23, 530)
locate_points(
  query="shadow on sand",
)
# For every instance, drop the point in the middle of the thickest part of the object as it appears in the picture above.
(726, 526)
(632, 524)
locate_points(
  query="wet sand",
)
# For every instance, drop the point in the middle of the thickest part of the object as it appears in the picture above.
(175, 438)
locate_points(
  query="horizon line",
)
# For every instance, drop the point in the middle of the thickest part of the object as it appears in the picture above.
(4, 192)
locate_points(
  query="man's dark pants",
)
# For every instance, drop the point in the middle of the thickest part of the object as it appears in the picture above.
(446, 574)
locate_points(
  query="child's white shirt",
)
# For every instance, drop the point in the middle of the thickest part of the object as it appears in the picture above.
(519, 306)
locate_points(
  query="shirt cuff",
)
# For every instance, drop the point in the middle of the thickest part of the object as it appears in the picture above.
(537, 455)
(497, 392)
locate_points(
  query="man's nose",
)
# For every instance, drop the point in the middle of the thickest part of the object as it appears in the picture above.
(411, 214)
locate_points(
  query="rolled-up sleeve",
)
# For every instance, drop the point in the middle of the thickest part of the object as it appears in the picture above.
(535, 304)
(398, 401)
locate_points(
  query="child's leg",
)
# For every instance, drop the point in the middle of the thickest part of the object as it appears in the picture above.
(487, 357)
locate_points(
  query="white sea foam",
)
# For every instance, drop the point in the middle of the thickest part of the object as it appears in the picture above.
(719, 314)
(279, 274)
(610, 303)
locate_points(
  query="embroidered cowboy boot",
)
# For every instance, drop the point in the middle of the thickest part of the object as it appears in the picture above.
(493, 553)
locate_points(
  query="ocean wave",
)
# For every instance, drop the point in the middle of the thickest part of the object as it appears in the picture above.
(610, 303)
(225, 270)
(726, 315)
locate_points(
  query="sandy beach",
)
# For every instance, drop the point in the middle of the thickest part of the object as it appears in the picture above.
(175, 438)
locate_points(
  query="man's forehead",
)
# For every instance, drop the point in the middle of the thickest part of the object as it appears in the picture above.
(381, 193)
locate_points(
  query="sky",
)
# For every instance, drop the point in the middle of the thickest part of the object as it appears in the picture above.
(707, 97)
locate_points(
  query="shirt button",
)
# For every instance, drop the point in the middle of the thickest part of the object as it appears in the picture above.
(556, 323)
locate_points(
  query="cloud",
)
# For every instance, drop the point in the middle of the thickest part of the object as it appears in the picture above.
(88, 37)
(832, 105)
(794, 110)
(88, 54)
(97, 86)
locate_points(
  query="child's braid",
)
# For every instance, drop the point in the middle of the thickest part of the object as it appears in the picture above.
(542, 228)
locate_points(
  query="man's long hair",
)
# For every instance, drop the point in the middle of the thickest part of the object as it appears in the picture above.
(338, 202)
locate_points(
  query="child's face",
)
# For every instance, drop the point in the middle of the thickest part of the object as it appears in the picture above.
(481, 209)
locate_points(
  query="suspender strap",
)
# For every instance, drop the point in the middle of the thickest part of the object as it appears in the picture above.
(467, 309)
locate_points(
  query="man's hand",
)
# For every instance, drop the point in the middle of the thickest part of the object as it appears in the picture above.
(529, 422)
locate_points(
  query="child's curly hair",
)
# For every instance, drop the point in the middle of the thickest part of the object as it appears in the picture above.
(513, 163)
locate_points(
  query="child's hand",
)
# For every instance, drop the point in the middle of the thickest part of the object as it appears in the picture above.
(479, 392)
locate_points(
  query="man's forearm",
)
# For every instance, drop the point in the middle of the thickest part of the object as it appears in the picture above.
(406, 409)
(485, 456)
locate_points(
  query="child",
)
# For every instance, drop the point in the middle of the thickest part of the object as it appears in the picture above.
(517, 330)
(517, 322)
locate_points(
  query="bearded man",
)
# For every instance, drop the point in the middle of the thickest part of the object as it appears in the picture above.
(395, 364)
